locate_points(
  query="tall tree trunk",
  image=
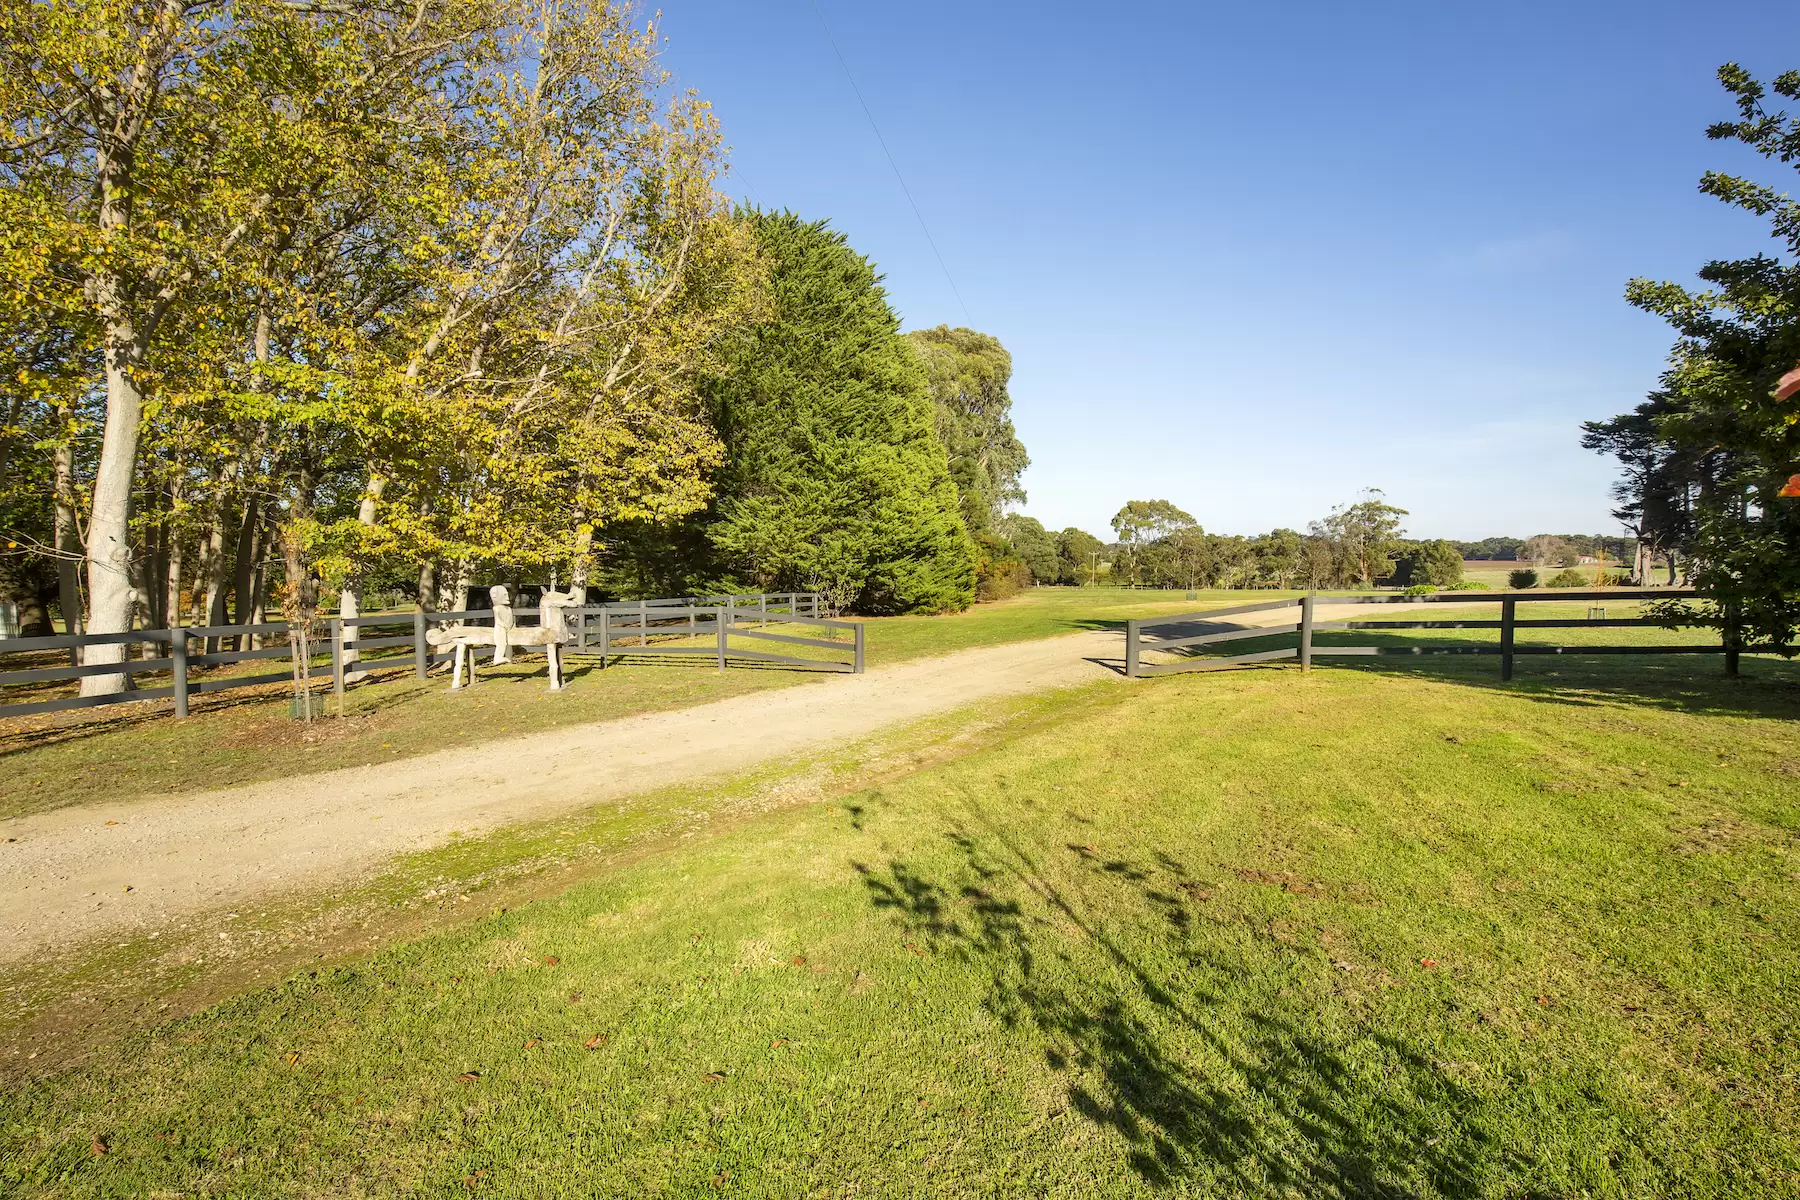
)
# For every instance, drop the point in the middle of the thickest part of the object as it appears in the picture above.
(428, 586)
(459, 585)
(109, 525)
(581, 563)
(350, 597)
(244, 568)
(177, 552)
(68, 544)
(153, 563)
(209, 609)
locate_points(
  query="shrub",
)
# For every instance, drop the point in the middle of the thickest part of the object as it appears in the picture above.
(1467, 585)
(1524, 578)
(1419, 589)
(1001, 578)
(1568, 579)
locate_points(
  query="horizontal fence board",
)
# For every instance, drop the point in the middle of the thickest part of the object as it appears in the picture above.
(44, 706)
(1214, 664)
(225, 685)
(793, 641)
(270, 628)
(826, 622)
(377, 643)
(1227, 635)
(1213, 614)
(1534, 597)
(1347, 650)
(817, 663)
(1621, 650)
(232, 656)
(49, 674)
(1329, 626)
(1596, 623)
(627, 651)
(63, 641)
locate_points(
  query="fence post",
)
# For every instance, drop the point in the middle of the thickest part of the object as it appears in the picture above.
(860, 627)
(605, 637)
(337, 663)
(643, 622)
(1508, 613)
(178, 658)
(762, 607)
(1131, 649)
(421, 659)
(719, 624)
(1306, 632)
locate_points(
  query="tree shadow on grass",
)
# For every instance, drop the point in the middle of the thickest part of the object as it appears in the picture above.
(1183, 1055)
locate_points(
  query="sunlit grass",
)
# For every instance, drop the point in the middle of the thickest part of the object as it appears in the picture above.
(1364, 932)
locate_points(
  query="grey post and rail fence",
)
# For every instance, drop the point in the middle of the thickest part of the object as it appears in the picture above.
(1186, 632)
(396, 642)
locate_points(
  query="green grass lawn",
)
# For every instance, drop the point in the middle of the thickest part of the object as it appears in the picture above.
(234, 737)
(1365, 932)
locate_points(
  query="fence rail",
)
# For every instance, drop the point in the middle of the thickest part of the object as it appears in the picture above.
(1508, 649)
(598, 631)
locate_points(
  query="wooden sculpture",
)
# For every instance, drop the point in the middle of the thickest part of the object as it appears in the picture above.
(552, 633)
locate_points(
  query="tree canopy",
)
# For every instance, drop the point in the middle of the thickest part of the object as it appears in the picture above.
(834, 479)
(968, 373)
(1712, 458)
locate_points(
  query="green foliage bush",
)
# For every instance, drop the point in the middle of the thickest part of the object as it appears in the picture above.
(1568, 579)
(1467, 585)
(1001, 578)
(1420, 589)
(1523, 578)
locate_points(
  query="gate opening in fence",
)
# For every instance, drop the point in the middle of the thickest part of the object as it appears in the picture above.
(1177, 633)
(343, 650)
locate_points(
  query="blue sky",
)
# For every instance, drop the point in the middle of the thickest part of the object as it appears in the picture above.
(1254, 258)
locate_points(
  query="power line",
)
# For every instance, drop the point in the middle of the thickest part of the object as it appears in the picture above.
(931, 241)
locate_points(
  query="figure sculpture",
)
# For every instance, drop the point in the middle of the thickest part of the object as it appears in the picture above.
(552, 632)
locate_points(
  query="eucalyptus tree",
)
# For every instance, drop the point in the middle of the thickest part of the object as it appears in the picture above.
(1363, 536)
(969, 373)
(1139, 525)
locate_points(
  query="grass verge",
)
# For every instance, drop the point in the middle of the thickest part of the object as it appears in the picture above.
(1362, 932)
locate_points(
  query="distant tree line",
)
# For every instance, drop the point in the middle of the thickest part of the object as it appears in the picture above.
(1360, 544)
(1549, 547)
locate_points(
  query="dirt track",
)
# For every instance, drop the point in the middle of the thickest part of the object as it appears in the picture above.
(132, 866)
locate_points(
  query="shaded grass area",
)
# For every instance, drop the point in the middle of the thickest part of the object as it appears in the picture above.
(242, 737)
(1358, 933)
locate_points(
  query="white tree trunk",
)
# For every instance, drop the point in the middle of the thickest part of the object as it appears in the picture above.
(350, 596)
(109, 528)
